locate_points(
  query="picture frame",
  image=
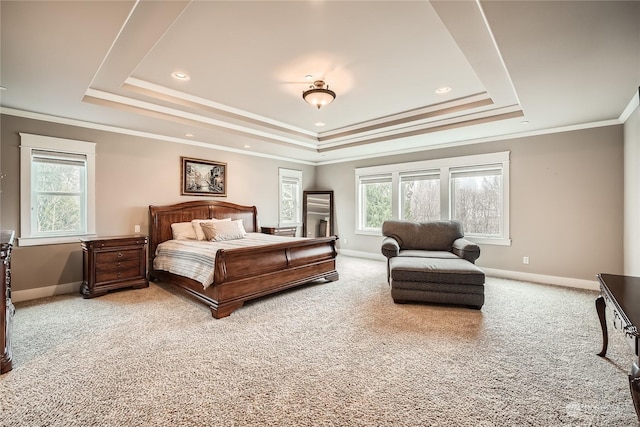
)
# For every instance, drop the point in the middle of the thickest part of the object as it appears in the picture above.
(203, 177)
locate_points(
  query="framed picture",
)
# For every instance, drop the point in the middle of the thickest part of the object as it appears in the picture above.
(203, 177)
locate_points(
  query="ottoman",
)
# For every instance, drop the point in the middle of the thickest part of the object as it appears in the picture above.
(436, 280)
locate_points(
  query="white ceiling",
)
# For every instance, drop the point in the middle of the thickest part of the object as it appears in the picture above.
(108, 65)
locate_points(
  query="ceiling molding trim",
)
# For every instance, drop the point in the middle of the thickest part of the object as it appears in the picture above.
(631, 106)
(452, 144)
(124, 131)
(498, 52)
(398, 132)
(441, 108)
(169, 94)
(154, 108)
(147, 135)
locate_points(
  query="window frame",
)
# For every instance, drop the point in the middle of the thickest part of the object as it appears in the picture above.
(361, 213)
(30, 143)
(444, 166)
(284, 176)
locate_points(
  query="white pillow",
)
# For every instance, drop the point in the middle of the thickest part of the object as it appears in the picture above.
(240, 226)
(183, 231)
(222, 230)
(198, 229)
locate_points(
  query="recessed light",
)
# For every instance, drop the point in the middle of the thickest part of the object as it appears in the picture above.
(443, 89)
(524, 122)
(319, 124)
(179, 75)
(188, 135)
(246, 146)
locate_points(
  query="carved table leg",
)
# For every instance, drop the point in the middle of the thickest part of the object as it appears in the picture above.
(634, 385)
(600, 305)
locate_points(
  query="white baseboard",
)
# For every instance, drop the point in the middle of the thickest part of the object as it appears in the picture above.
(505, 274)
(359, 254)
(67, 288)
(47, 291)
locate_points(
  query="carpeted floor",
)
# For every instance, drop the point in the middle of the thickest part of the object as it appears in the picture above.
(329, 354)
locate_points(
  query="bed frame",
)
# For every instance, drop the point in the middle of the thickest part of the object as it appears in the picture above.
(242, 274)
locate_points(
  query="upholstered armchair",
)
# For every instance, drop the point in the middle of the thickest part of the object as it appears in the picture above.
(433, 262)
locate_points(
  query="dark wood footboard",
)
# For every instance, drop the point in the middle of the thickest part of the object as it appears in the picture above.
(243, 274)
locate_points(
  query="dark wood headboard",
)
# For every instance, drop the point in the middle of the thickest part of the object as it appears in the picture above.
(161, 218)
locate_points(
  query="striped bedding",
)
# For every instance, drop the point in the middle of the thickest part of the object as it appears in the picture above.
(196, 259)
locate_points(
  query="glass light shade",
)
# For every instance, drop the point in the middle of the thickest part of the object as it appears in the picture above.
(319, 95)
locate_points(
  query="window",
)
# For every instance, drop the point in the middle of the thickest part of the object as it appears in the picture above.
(57, 185)
(420, 196)
(290, 188)
(476, 200)
(472, 189)
(375, 196)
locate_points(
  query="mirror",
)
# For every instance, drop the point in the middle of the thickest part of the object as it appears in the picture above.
(317, 214)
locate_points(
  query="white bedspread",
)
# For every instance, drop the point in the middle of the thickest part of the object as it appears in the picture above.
(196, 259)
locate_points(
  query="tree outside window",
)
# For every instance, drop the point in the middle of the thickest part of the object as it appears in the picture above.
(58, 203)
(420, 197)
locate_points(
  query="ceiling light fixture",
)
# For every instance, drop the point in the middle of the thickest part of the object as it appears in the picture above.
(443, 89)
(319, 94)
(180, 76)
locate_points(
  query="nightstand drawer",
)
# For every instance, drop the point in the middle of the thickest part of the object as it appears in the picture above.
(109, 276)
(118, 266)
(117, 256)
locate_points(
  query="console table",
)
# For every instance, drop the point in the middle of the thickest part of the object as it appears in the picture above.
(620, 298)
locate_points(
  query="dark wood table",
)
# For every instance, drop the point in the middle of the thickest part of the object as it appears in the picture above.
(620, 297)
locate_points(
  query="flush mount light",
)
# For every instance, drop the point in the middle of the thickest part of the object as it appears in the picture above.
(319, 94)
(443, 89)
(179, 75)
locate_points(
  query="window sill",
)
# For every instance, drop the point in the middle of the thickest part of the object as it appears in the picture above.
(489, 241)
(478, 240)
(58, 240)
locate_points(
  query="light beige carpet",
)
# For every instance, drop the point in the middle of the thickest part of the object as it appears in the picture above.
(330, 354)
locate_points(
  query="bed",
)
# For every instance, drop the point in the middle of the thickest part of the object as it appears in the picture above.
(244, 273)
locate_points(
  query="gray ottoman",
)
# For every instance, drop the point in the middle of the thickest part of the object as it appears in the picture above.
(436, 280)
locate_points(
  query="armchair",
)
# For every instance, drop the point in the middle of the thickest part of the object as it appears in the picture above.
(432, 262)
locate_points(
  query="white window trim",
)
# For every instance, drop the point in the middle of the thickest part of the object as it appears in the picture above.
(394, 170)
(290, 174)
(29, 142)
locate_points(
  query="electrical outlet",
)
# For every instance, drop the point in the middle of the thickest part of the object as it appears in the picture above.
(136, 228)
(525, 260)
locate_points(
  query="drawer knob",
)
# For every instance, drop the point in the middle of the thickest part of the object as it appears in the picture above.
(120, 255)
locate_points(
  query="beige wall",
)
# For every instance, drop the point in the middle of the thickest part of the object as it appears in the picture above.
(632, 194)
(566, 202)
(131, 174)
(566, 197)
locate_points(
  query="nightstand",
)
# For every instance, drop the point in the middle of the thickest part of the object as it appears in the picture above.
(112, 263)
(280, 231)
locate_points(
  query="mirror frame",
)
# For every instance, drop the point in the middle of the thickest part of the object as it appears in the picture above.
(305, 195)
